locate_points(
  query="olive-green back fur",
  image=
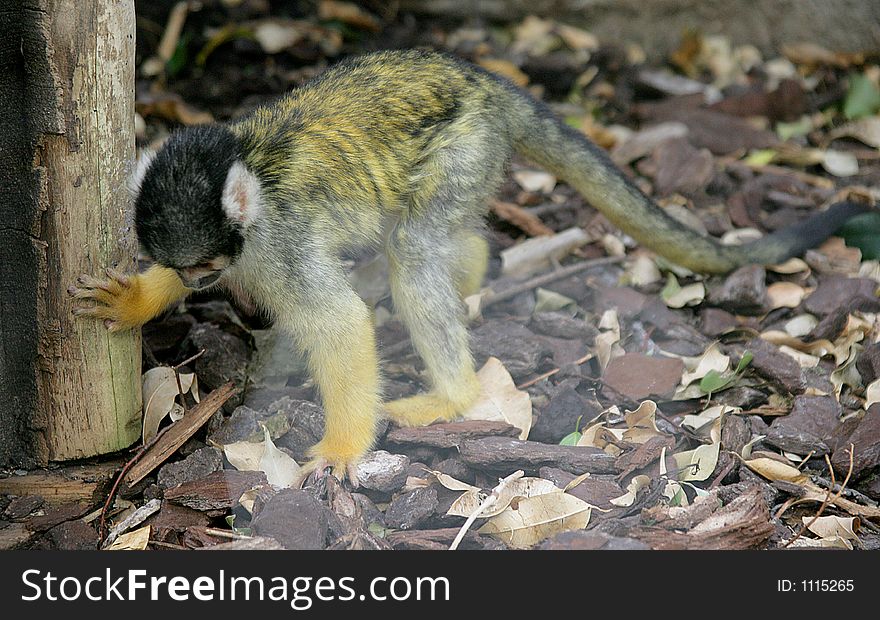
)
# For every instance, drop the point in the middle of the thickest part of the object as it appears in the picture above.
(387, 130)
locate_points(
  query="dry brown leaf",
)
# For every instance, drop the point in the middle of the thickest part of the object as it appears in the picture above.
(577, 39)
(606, 342)
(348, 13)
(789, 267)
(171, 107)
(244, 455)
(699, 367)
(280, 469)
(632, 490)
(872, 393)
(643, 271)
(707, 423)
(833, 527)
(677, 296)
(160, 391)
(775, 470)
(469, 501)
(535, 180)
(699, 463)
(785, 295)
(136, 540)
(813, 54)
(804, 360)
(534, 36)
(866, 130)
(641, 425)
(499, 399)
(536, 518)
(801, 325)
(451, 483)
(506, 69)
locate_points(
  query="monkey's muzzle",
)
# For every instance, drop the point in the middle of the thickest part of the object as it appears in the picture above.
(199, 282)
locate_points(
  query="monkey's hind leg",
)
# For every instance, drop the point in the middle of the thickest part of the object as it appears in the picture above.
(473, 260)
(436, 257)
(426, 284)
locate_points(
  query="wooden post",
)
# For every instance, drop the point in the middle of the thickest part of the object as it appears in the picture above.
(68, 389)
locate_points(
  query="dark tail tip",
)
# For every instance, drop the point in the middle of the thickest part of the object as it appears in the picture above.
(799, 238)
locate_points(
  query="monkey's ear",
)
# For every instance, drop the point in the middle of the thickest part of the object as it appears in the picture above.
(136, 179)
(242, 196)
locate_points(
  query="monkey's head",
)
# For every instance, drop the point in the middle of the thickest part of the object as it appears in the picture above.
(194, 200)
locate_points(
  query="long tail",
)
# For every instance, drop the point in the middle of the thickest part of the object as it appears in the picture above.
(543, 138)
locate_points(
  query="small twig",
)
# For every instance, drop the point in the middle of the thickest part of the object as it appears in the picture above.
(140, 451)
(513, 291)
(134, 519)
(723, 474)
(552, 207)
(484, 505)
(828, 498)
(851, 493)
(176, 370)
(213, 531)
(546, 278)
(192, 358)
(173, 28)
(179, 432)
(806, 177)
(167, 545)
(550, 373)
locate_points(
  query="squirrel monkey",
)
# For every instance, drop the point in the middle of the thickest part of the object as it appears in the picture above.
(397, 148)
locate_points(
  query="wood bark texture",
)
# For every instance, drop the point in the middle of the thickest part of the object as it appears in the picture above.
(68, 389)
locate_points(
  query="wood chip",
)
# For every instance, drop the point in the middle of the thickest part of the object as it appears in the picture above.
(503, 454)
(219, 491)
(179, 433)
(527, 222)
(450, 435)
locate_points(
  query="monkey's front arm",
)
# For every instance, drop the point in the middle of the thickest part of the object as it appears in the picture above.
(124, 301)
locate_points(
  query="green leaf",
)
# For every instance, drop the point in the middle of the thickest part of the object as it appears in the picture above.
(760, 157)
(862, 98)
(180, 56)
(678, 498)
(714, 381)
(671, 287)
(800, 127)
(744, 361)
(571, 439)
(863, 232)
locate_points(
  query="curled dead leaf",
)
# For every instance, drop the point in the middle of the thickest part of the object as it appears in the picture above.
(499, 399)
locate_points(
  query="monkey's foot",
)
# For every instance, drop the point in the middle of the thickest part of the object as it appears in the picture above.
(342, 460)
(422, 409)
(108, 295)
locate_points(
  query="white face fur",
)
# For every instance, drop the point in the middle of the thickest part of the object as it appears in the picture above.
(136, 179)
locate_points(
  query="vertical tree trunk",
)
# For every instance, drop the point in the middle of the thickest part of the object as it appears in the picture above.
(68, 389)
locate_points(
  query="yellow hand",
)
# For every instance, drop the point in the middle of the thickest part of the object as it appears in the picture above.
(125, 302)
